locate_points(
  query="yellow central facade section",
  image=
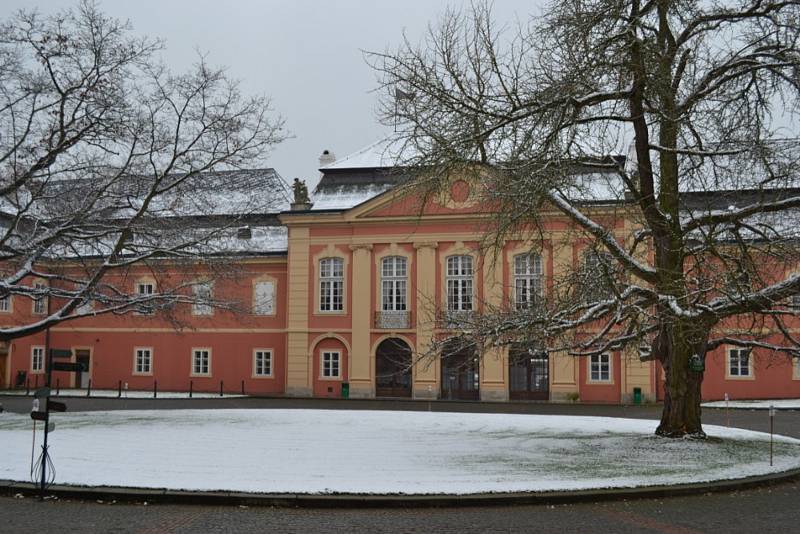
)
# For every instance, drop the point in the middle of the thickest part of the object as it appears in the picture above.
(423, 237)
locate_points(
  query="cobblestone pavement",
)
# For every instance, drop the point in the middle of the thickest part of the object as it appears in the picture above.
(764, 510)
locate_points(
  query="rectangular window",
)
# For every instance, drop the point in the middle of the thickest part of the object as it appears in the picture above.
(459, 283)
(5, 304)
(527, 280)
(203, 294)
(37, 359)
(330, 364)
(600, 368)
(739, 362)
(331, 284)
(201, 362)
(144, 290)
(40, 302)
(393, 283)
(262, 362)
(264, 298)
(143, 361)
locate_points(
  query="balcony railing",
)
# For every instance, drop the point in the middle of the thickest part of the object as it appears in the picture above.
(456, 320)
(392, 320)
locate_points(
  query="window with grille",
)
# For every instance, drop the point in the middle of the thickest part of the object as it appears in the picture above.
(459, 283)
(600, 368)
(527, 280)
(143, 361)
(330, 364)
(739, 362)
(331, 284)
(201, 362)
(262, 362)
(394, 276)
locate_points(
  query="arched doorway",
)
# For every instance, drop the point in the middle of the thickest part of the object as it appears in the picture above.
(528, 374)
(393, 368)
(460, 374)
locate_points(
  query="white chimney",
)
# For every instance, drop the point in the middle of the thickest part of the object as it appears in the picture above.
(326, 158)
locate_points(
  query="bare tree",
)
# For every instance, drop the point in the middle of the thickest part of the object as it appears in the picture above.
(108, 161)
(705, 94)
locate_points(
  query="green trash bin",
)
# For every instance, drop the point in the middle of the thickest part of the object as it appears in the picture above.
(345, 390)
(637, 395)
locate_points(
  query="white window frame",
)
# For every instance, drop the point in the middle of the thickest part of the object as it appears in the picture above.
(39, 306)
(138, 369)
(203, 290)
(459, 283)
(140, 285)
(270, 363)
(394, 283)
(197, 351)
(6, 304)
(597, 364)
(331, 285)
(527, 280)
(262, 307)
(329, 354)
(735, 373)
(37, 356)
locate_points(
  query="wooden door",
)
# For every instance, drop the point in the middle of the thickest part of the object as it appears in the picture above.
(83, 356)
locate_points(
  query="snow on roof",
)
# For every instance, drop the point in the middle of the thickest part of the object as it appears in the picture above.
(344, 197)
(212, 193)
(263, 239)
(387, 152)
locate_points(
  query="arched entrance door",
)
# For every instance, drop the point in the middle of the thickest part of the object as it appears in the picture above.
(529, 374)
(460, 374)
(393, 369)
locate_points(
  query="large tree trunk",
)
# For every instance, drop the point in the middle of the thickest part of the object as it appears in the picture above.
(681, 416)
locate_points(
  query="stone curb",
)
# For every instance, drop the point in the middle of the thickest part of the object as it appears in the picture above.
(353, 500)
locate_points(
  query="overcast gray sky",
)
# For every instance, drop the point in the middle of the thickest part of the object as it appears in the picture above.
(305, 54)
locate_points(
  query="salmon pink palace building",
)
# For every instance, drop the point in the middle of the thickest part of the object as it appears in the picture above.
(343, 294)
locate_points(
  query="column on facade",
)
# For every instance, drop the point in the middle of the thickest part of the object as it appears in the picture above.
(494, 362)
(564, 373)
(362, 382)
(298, 356)
(426, 366)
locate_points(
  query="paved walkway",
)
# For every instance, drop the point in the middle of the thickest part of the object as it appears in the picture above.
(766, 510)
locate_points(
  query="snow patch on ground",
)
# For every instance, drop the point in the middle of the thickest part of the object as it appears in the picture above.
(333, 451)
(778, 404)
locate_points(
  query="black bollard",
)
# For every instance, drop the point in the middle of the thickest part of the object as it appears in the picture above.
(220, 388)
(119, 389)
(190, 389)
(155, 389)
(242, 387)
(89, 389)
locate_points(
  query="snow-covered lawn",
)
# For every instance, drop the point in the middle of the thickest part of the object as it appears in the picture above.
(113, 393)
(331, 451)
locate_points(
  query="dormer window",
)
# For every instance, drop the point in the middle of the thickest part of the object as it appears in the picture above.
(245, 232)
